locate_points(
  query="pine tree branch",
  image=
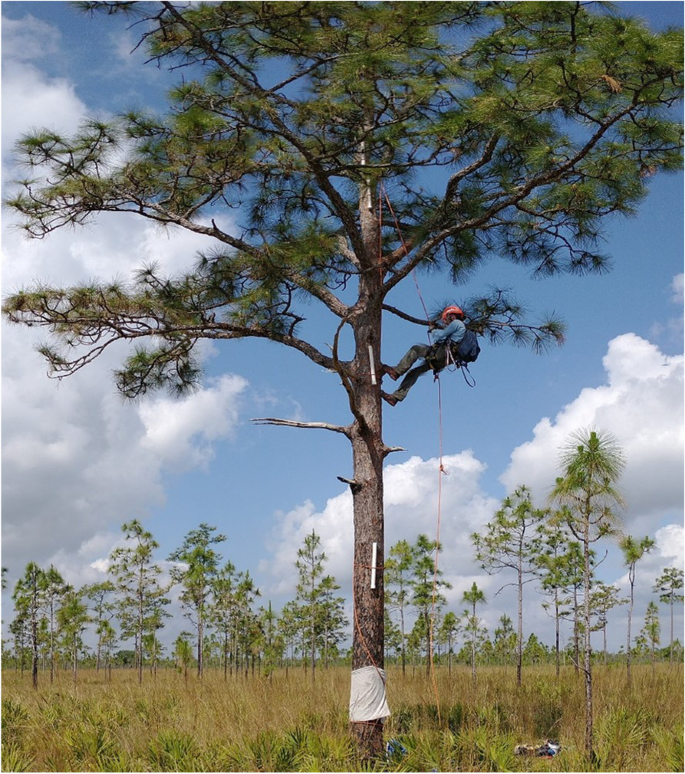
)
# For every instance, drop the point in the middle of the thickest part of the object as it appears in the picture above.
(505, 200)
(345, 430)
(346, 216)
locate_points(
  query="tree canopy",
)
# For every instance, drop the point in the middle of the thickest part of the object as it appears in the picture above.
(351, 143)
(503, 128)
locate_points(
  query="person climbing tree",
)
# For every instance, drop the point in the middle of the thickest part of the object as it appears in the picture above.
(453, 344)
(528, 124)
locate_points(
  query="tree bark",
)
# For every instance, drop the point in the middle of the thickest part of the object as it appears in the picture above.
(670, 650)
(473, 647)
(75, 660)
(576, 645)
(556, 630)
(404, 652)
(519, 636)
(631, 577)
(368, 639)
(587, 655)
(200, 643)
(34, 649)
(368, 451)
(604, 642)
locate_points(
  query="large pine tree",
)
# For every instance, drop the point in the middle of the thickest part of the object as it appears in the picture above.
(496, 128)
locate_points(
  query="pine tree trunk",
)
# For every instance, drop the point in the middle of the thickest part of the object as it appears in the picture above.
(630, 620)
(34, 658)
(75, 660)
(367, 490)
(368, 453)
(200, 643)
(52, 644)
(473, 647)
(587, 655)
(429, 643)
(312, 634)
(519, 636)
(225, 655)
(404, 652)
(670, 650)
(576, 645)
(556, 633)
(604, 631)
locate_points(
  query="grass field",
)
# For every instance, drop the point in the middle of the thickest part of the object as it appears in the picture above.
(285, 724)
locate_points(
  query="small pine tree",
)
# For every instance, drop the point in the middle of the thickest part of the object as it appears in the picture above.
(633, 550)
(667, 585)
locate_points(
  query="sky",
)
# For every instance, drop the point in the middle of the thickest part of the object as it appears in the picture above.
(77, 461)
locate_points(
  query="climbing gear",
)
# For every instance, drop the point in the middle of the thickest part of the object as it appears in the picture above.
(468, 348)
(395, 749)
(441, 356)
(455, 310)
(547, 750)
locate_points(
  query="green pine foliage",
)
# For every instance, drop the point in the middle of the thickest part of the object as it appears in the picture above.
(543, 118)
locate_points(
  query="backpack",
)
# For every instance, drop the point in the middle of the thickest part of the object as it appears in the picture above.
(468, 349)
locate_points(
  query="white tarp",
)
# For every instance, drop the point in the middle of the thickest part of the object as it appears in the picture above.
(367, 695)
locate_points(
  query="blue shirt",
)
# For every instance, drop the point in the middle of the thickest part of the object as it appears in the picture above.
(455, 332)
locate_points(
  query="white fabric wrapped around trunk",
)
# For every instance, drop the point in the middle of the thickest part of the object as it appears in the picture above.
(367, 695)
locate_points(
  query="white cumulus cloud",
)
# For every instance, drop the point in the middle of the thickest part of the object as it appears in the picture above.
(411, 508)
(30, 98)
(182, 431)
(641, 404)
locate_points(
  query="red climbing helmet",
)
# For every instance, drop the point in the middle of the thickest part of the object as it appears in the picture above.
(455, 310)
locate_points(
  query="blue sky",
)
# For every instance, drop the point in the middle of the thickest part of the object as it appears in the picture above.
(77, 462)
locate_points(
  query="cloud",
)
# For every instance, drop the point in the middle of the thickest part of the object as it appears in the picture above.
(76, 459)
(182, 432)
(641, 404)
(30, 98)
(411, 508)
(672, 329)
(29, 38)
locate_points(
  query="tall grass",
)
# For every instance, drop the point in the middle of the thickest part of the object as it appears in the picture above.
(287, 724)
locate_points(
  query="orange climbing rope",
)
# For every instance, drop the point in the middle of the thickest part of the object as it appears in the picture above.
(441, 472)
(441, 469)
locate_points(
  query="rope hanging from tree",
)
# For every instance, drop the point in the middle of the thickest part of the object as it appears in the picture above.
(441, 468)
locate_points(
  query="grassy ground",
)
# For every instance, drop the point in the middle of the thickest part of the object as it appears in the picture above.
(287, 725)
